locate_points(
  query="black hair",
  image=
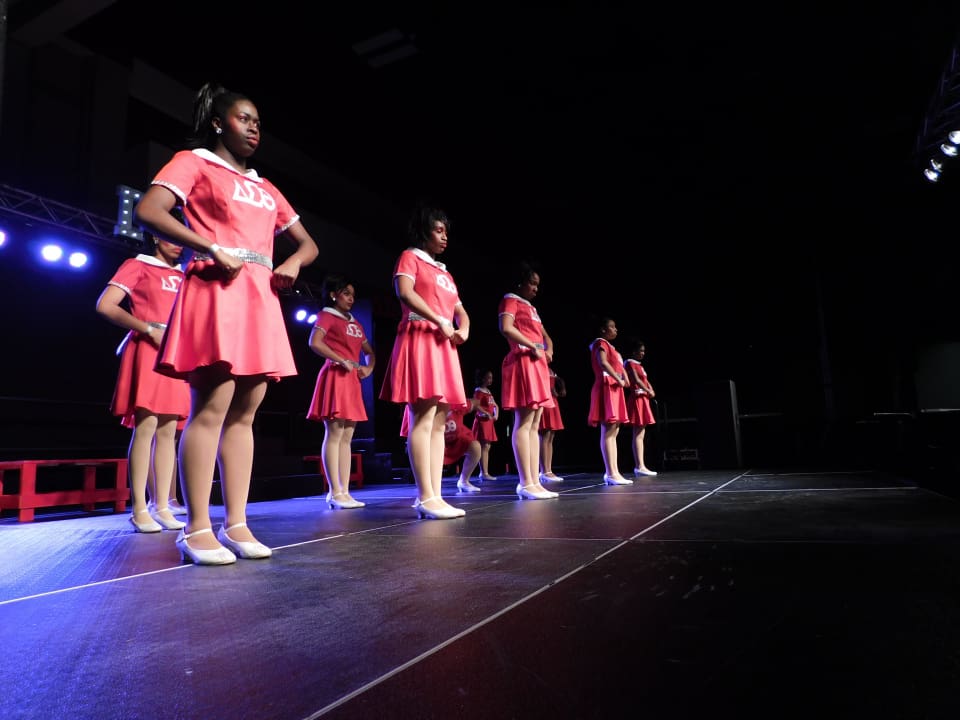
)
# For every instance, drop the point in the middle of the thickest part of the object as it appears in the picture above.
(334, 283)
(211, 101)
(525, 270)
(422, 221)
(479, 374)
(634, 345)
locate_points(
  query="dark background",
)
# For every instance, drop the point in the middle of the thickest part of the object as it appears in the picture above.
(738, 186)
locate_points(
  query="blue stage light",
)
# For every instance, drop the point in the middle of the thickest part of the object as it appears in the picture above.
(78, 259)
(300, 315)
(51, 253)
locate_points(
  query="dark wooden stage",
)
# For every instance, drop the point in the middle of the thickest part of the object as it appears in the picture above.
(692, 594)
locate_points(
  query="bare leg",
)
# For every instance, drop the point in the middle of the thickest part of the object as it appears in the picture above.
(546, 452)
(346, 455)
(470, 461)
(139, 456)
(164, 454)
(526, 445)
(236, 452)
(419, 441)
(212, 394)
(330, 454)
(485, 459)
(608, 448)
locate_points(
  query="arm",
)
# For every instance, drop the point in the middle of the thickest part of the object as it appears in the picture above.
(285, 274)
(608, 368)
(109, 306)
(462, 321)
(320, 347)
(548, 344)
(404, 288)
(366, 370)
(153, 213)
(509, 331)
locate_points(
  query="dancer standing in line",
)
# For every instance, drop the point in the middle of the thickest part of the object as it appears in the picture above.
(149, 403)
(639, 411)
(551, 422)
(424, 370)
(525, 376)
(337, 397)
(608, 408)
(484, 420)
(227, 335)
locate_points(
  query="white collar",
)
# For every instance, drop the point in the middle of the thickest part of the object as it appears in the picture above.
(250, 174)
(151, 260)
(424, 255)
(517, 297)
(333, 311)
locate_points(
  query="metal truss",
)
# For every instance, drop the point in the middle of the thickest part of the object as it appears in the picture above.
(935, 147)
(22, 204)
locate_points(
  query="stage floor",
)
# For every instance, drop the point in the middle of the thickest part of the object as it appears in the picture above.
(738, 594)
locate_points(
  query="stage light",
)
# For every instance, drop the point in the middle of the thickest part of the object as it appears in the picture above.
(78, 259)
(128, 199)
(948, 149)
(51, 253)
(312, 320)
(3, 238)
(300, 315)
(931, 175)
(954, 137)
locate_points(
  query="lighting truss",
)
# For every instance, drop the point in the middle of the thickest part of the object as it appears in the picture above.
(17, 203)
(936, 145)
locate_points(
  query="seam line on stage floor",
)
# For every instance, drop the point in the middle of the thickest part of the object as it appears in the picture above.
(413, 661)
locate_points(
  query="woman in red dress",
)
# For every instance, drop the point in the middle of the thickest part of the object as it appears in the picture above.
(526, 379)
(151, 404)
(227, 335)
(337, 397)
(639, 411)
(484, 420)
(608, 408)
(424, 371)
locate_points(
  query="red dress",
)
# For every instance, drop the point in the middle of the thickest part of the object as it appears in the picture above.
(424, 365)
(550, 418)
(238, 322)
(525, 379)
(456, 437)
(337, 394)
(484, 428)
(151, 286)
(639, 411)
(607, 404)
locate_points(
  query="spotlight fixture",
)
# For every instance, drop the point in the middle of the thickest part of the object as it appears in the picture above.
(954, 137)
(948, 149)
(931, 175)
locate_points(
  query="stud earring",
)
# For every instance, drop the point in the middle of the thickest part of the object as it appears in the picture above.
(218, 131)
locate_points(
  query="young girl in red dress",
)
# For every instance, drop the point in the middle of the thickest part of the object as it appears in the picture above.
(484, 425)
(639, 412)
(550, 422)
(337, 397)
(526, 379)
(608, 408)
(151, 404)
(227, 335)
(424, 372)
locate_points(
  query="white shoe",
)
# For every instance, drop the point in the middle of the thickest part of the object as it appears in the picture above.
(484, 478)
(217, 556)
(639, 472)
(147, 526)
(176, 508)
(616, 480)
(443, 511)
(343, 501)
(467, 487)
(171, 524)
(550, 477)
(534, 492)
(249, 549)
